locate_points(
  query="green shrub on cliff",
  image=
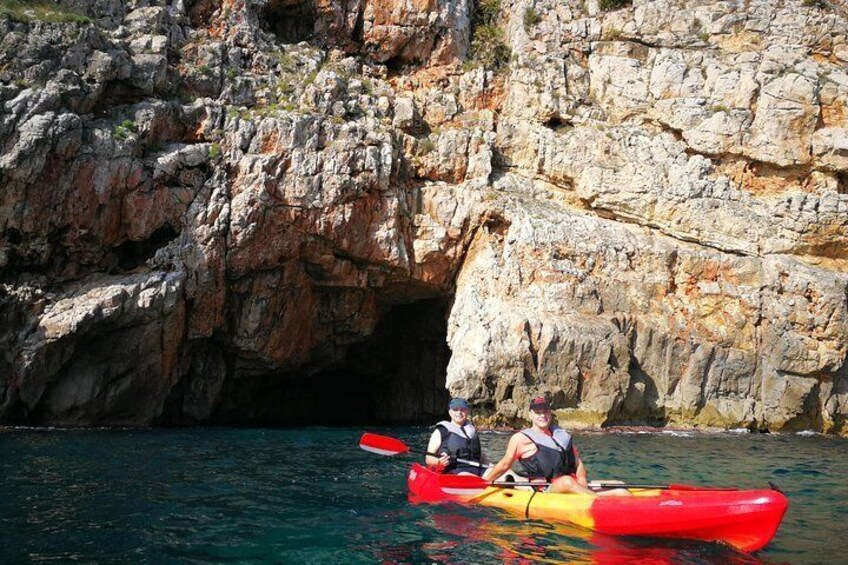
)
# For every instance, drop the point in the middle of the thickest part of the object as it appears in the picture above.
(487, 12)
(214, 151)
(124, 130)
(25, 12)
(607, 5)
(427, 146)
(531, 18)
(488, 47)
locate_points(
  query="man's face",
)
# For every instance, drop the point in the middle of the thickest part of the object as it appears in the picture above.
(541, 417)
(458, 415)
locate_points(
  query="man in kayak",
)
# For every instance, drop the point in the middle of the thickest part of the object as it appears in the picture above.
(546, 451)
(456, 439)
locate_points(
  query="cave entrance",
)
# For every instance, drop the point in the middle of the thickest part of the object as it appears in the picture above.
(396, 376)
(292, 21)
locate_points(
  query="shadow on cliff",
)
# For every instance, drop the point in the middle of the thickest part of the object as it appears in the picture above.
(396, 376)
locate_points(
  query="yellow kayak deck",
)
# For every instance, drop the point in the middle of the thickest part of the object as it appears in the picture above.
(560, 507)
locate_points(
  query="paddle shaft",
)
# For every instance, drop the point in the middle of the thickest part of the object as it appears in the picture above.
(601, 485)
(547, 484)
(471, 482)
(463, 461)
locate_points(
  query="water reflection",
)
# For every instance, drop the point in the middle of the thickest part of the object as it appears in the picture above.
(518, 542)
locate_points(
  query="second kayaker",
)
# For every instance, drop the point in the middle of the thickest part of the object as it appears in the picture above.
(455, 439)
(546, 451)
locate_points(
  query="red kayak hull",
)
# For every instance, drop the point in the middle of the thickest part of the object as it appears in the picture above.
(744, 519)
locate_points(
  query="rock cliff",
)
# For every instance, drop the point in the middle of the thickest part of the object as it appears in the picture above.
(295, 211)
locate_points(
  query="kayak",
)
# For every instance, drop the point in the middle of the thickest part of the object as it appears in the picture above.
(744, 519)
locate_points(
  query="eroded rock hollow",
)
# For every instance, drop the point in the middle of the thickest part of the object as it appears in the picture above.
(277, 212)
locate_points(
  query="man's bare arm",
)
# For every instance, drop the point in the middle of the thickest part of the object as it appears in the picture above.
(435, 442)
(581, 473)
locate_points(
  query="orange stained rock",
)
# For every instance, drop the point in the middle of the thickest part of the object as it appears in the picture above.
(742, 42)
(441, 76)
(392, 12)
(270, 142)
(218, 26)
(424, 77)
(829, 241)
(833, 115)
(762, 180)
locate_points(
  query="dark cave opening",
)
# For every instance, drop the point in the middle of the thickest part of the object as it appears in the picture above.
(396, 65)
(396, 376)
(14, 236)
(292, 21)
(132, 254)
(118, 93)
(557, 123)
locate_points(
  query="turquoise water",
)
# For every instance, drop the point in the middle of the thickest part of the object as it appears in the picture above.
(311, 495)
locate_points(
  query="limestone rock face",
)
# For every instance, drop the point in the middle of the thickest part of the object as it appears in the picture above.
(621, 324)
(233, 212)
(107, 350)
(397, 33)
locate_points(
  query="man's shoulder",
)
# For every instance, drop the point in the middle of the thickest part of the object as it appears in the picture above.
(440, 429)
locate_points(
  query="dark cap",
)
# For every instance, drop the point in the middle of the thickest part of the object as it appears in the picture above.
(458, 403)
(540, 403)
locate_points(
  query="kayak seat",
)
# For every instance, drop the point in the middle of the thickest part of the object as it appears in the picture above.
(512, 477)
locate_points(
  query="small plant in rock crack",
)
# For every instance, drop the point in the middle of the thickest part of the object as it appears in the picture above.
(427, 146)
(820, 4)
(489, 49)
(124, 129)
(531, 18)
(488, 46)
(607, 5)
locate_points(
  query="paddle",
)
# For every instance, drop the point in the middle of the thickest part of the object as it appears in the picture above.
(385, 445)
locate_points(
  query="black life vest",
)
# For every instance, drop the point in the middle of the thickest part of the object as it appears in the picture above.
(555, 456)
(460, 443)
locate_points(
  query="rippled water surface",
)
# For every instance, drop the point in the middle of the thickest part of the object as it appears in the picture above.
(312, 496)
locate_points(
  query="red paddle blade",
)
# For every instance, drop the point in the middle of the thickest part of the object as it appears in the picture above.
(382, 445)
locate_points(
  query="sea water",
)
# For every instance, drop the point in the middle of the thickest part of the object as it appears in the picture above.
(310, 495)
